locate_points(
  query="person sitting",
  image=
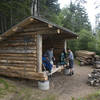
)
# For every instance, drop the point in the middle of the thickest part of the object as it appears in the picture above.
(49, 55)
(62, 60)
(46, 63)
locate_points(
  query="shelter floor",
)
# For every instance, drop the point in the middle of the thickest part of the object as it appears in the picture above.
(61, 87)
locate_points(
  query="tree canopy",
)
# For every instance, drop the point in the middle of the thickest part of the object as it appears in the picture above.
(13, 11)
(73, 17)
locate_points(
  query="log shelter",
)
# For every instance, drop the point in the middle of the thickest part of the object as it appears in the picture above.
(22, 47)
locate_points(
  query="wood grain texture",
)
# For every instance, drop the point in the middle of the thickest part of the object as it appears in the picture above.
(18, 56)
(39, 53)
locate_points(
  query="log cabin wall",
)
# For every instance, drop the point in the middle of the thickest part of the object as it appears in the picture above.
(18, 56)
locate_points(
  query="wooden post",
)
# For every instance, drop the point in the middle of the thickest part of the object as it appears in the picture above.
(65, 45)
(39, 53)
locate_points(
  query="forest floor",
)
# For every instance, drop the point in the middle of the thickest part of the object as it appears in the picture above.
(61, 87)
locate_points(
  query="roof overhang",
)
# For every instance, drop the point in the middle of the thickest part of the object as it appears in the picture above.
(57, 29)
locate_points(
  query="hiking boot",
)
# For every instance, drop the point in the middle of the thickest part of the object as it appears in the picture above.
(72, 73)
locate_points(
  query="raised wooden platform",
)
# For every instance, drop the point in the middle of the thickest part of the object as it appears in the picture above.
(54, 70)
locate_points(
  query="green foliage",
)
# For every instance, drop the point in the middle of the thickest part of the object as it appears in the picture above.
(49, 5)
(49, 9)
(74, 18)
(86, 40)
(51, 97)
(12, 12)
(73, 98)
(5, 87)
(4, 83)
(98, 42)
(95, 96)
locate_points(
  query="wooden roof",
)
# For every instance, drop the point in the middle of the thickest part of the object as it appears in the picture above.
(34, 20)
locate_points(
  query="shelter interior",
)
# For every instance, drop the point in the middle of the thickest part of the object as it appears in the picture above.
(58, 43)
(53, 41)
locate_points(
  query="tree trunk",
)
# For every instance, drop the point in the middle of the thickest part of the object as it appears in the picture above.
(2, 26)
(11, 16)
(34, 8)
(5, 21)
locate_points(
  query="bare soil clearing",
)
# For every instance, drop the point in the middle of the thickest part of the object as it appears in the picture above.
(61, 87)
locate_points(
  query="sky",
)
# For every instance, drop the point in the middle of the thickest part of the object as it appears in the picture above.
(90, 8)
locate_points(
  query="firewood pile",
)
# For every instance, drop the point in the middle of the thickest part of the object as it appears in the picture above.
(97, 57)
(97, 62)
(85, 57)
(94, 78)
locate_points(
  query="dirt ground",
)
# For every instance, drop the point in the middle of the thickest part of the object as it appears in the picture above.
(61, 87)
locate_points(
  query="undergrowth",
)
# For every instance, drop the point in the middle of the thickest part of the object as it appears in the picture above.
(95, 96)
(5, 87)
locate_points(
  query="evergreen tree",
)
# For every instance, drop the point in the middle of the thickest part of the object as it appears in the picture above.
(75, 18)
(49, 9)
(13, 11)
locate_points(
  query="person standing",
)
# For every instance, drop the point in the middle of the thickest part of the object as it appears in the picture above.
(63, 58)
(49, 55)
(71, 61)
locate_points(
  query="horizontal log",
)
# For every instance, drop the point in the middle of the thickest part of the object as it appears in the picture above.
(20, 40)
(31, 34)
(22, 32)
(37, 78)
(11, 74)
(25, 58)
(18, 55)
(31, 31)
(20, 69)
(19, 48)
(17, 44)
(36, 29)
(85, 53)
(38, 25)
(20, 75)
(17, 62)
(36, 74)
(18, 51)
(22, 36)
(18, 65)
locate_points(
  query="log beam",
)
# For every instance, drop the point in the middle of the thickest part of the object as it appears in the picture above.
(65, 45)
(39, 53)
